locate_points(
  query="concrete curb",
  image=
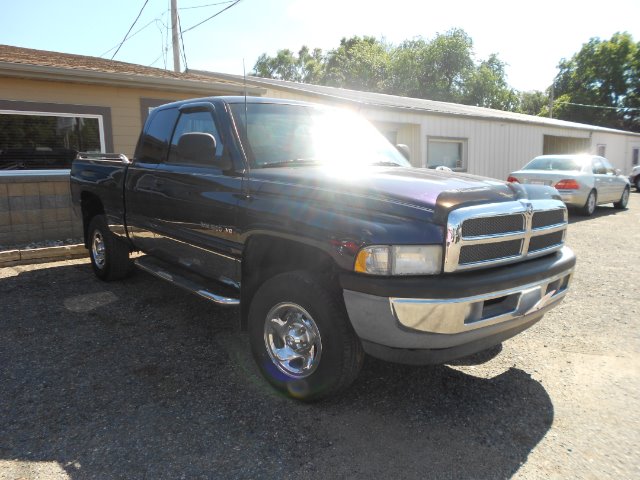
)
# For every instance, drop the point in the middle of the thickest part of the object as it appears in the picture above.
(11, 258)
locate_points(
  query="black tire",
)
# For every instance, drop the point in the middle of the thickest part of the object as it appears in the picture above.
(638, 183)
(333, 363)
(109, 255)
(590, 205)
(624, 200)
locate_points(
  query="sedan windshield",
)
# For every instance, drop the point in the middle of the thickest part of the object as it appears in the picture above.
(281, 135)
(554, 163)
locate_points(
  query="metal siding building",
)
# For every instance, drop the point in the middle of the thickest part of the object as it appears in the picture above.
(489, 142)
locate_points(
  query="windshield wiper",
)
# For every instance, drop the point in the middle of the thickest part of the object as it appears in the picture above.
(297, 162)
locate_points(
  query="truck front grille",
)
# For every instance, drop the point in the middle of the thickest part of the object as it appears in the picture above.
(549, 240)
(484, 251)
(487, 235)
(550, 217)
(475, 227)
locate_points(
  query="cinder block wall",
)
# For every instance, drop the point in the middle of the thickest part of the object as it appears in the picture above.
(35, 207)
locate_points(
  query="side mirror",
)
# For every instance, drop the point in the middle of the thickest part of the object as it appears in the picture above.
(197, 147)
(404, 150)
(618, 171)
(200, 149)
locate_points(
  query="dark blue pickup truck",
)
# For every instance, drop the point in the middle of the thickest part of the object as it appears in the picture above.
(327, 238)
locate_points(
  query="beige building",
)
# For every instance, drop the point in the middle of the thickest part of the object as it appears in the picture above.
(53, 104)
(87, 103)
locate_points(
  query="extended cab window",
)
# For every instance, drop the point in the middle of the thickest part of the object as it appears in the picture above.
(190, 122)
(154, 143)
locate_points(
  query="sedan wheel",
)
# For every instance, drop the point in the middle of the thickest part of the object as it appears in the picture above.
(590, 205)
(624, 200)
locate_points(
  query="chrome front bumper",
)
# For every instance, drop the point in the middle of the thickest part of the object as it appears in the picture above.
(464, 314)
(457, 326)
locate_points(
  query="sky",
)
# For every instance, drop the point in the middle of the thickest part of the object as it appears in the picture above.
(531, 37)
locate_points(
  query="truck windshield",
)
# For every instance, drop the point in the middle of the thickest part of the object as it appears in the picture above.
(279, 135)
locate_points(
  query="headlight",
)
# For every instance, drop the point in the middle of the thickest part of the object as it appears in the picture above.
(400, 260)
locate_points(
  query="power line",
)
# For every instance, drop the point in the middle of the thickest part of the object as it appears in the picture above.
(131, 36)
(184, 52)
(130, 28)
(596, 106)
(208, 5)
(166, 38)
(152, 63)
(212, 16)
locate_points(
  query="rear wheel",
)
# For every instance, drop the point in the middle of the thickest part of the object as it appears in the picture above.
(109, 256)
(301, 337)
(638, 183)
(590, 205)
(624, 200)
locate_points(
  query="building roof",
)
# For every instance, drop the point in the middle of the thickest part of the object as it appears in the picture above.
(382, 100)
(30, 63)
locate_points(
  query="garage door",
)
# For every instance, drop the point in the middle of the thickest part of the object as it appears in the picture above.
(560, 145)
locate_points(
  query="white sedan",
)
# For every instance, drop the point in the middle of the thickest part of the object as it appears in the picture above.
(583, 181)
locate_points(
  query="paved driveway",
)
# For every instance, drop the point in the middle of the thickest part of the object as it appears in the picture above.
(136, 379)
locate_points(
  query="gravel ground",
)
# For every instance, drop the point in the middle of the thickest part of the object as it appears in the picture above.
(136, 379)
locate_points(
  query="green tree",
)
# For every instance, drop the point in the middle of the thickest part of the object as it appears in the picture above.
(433, 69)
(442, 68)
(358, 63)
(534, 102)
(306, 66)
(604, 73)
(486, 86)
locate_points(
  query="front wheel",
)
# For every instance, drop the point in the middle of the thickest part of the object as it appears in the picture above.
(624, 200)
(301, 337)
(590, 205)
(109, 256)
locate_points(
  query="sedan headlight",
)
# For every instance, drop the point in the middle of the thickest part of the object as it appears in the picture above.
(400, 260)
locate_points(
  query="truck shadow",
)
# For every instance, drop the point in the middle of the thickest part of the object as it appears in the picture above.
(137, 380)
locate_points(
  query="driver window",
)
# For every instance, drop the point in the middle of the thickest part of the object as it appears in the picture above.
(189, 122)
(609, 168)
(598, 167)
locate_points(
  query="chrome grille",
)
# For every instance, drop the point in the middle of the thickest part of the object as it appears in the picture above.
(484, 251)
(475, 227)
(487, 235)
(545, 241)
(550, 217)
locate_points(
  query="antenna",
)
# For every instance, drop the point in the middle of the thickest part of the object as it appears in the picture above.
(246, 123)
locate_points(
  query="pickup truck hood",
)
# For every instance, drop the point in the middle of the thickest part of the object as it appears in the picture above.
(421, 188)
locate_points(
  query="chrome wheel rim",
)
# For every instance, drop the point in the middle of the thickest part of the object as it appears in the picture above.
(292, 340)
(97, 250)
(591, 202)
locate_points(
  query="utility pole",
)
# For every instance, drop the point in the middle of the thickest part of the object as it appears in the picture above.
(551, 102)
(174, 36)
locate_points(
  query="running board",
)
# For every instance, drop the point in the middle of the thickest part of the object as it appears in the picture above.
(199, 286)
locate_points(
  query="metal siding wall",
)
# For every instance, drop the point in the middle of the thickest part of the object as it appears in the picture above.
(617, 151)
(631, 144)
